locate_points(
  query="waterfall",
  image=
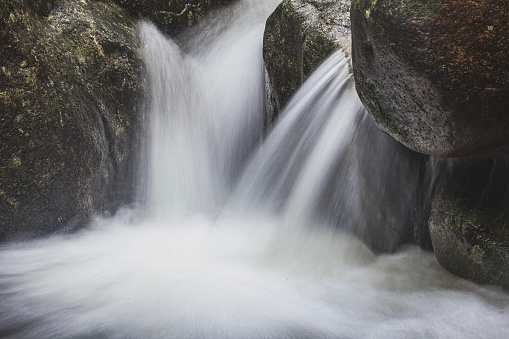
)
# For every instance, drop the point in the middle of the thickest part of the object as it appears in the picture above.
(240, 237)
(205, 112)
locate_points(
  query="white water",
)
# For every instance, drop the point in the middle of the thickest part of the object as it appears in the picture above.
(220, 254)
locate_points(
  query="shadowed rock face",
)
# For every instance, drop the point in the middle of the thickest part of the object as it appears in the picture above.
(434, 74)
(70, 109)
(299, 35)
(171, 16)
(469, 222)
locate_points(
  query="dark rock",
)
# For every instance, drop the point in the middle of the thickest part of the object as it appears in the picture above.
(172, 16)
(435, 74)
(469, 222)
(299, 35)
(392, 191)
(70, 112)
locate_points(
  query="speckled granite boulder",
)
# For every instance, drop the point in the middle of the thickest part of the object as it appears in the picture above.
(435, 74)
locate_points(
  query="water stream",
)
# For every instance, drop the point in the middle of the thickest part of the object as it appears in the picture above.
(239, 238)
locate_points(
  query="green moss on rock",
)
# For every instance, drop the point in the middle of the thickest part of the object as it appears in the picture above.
(468, 241)
(71, 92)
(69, 87)
(298, 37)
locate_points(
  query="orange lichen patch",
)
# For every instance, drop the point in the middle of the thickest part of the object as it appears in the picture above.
(471, 38)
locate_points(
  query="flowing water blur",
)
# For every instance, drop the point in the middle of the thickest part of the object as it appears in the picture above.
(231, 247)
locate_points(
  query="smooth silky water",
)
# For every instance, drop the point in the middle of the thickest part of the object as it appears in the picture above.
(232, 239)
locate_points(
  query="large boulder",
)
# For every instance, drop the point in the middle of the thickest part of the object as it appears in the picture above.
(71, 90)
(71, 97)
(299, 35)
(435, 74)
(469, 222)
(172, 16)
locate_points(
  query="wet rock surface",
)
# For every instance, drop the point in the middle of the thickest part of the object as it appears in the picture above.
(299, 35)
(172, 16)
(71, 91)
(71, 102)
(433, 74)
(469, 222)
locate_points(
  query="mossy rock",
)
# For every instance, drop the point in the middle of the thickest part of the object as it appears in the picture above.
(299, 36)
(469, 222)
(434, 74)
(71, 93)
(172, 16)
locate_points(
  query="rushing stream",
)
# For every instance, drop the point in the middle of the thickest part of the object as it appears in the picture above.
(233, 237)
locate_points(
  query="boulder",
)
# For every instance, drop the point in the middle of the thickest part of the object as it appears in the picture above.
(435, 74)
(71, 97)
(298, 36)
(469, 222)
(71, 93)
(172, 16)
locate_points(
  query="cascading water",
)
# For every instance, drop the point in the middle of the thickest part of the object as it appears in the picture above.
(206, 110)
(225, 254)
